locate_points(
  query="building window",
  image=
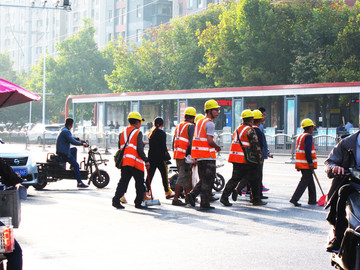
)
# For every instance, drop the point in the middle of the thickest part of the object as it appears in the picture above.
(116, 17)
(123, 16)
(39, 50)
(181, 8)
(109, 37)
(138, 11)
(138, 35)
(110, 15)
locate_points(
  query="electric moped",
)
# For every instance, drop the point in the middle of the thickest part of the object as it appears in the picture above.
(348, 257)
(54, 169)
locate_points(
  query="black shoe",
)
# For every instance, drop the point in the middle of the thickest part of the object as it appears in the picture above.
(207, 207)
(234, 195)
(225, 201)
(333, 245)
(178, 203)
(191, 199)
(82, 185)
(296, 204)
(117, 204)
(312, 203)
(213, 199)
(259, 203)
(139, 206)
(264, 197)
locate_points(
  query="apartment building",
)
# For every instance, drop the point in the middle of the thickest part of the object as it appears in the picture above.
(26, 33)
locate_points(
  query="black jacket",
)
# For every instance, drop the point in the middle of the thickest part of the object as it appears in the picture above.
(157, 146)
(344, 155)
(8, 176)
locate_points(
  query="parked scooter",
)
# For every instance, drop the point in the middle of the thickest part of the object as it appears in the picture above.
(348, 257)
(219, 181)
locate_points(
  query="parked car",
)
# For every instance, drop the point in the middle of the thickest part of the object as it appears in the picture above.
(21, 161)
(40, 132)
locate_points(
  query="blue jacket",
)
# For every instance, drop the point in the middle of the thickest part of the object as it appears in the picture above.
(64, 140)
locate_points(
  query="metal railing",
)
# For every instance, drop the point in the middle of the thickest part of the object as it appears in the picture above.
(278, 144)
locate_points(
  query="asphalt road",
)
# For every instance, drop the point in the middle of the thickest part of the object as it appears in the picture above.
(66, 228)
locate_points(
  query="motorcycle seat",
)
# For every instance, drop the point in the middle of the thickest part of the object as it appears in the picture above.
(56, 159)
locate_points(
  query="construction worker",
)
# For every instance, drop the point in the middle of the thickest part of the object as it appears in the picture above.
(133, 161)
(184, 133)
(243, 171)
(204, 151)
(198, 117)
(306, 162)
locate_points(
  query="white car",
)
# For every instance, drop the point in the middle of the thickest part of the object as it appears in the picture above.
(40, 132)
(20, 160)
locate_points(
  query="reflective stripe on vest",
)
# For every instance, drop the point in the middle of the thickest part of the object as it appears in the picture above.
(131, 156)
(200, 147)
(181, 140)
(300, 157)
(236, 152)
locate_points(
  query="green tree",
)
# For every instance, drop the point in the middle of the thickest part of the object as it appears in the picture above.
(80, 68)
(169, 57)
(6, 68)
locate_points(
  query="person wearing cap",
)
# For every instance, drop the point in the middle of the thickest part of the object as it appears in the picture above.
(244, 172)
(306, 162)
(204, 150)
(182, 147)
(133, 161)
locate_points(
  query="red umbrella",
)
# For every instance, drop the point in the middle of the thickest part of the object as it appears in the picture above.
(11, 94)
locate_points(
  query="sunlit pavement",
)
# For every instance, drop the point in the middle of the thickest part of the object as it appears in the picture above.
(66, 228)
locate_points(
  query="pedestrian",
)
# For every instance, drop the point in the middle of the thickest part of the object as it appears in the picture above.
(343, 157)
(204, 150)
(306, 162)
(349, 125)
(132, 162)
(265, 149)
(67, 154)
(258, 116)
(243, 171)
(183, 137)
(158, 155)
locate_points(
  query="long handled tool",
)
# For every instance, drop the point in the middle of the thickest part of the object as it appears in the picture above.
(152, 201)
(322, 199)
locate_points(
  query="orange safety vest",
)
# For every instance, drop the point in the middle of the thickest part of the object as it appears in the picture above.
(131, 156)
(236, 152)
(181, 140)
(300, 158)
(200, 147)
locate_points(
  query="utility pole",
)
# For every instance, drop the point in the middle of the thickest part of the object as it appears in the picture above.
(60, 5)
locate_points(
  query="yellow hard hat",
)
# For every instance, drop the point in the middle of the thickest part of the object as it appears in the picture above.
(211, 104)
(247, 114)
(198, 117)
(307, 122)
(135, 115)
(190, 111)
(257, 114)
